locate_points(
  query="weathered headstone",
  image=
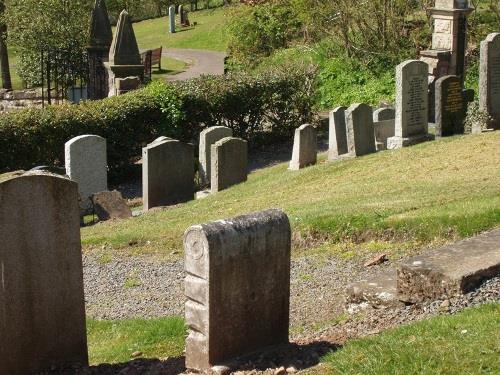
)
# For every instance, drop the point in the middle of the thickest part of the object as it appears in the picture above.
(167, 173)
(305, 147)
(229, 163)
(171, 19)
(489, 80)
(451, 107)
(110, 205)
(180, 12)
(208, 137)
(42, 323)
(383, 124)
(337, 137)
(360, 131)
(124, 57)
(101, 37)
(412, 105)
(124, 85)
(86, 164)
(237, 287)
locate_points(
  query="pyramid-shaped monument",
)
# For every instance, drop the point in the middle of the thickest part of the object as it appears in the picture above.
(101, 34)
(124, 49)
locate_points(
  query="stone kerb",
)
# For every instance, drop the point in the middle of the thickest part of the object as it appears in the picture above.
(412, 105)
(167, 173)
(305, 147)
(383, 124)
(360, 131)
(86, 164)
(337, 134)
(229, 163)
(237, 287)
(208, 137)
(42, 323)
(489, 78)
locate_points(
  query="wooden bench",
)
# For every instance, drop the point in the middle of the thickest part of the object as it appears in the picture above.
(152, 57)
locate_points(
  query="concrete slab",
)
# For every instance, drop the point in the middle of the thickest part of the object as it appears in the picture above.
(451, 270)
(378, 291)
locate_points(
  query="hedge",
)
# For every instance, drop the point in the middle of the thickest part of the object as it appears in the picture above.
(271, 103)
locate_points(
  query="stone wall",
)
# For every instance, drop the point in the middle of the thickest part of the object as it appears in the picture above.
(19, 99)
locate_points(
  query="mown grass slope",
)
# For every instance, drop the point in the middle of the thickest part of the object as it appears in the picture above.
(393, 200)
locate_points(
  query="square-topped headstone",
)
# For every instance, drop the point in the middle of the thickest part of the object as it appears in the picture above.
(412, 105)
(229, 159)
(489, 78)
(360, 131)
(42, 319)
(383, 124)
(305, 148)
(208, 137)
(237, 287)
(337, 134)
(451, 106)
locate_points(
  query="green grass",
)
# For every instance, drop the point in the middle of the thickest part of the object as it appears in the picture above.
(392, 201)
(115, 341)
(466, 343)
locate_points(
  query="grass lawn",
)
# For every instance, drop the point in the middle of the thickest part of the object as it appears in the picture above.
(466, 343)
(115, 341)
(391, 201)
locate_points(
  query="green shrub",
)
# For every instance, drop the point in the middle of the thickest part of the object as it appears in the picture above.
(273, 103)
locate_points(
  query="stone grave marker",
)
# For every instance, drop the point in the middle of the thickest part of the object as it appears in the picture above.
(86, 164)
(167, 173)
(383, 124)
(489, 78)
(451, 106)
(337, 134)
(237, 287)
(360, 131)
(305, 147)
(229, 160)
(412, 105)
(42, 323)
(171, 19)
(110, 205)
(208, 137)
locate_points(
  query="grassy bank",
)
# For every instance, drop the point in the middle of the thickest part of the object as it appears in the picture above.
(393, 201)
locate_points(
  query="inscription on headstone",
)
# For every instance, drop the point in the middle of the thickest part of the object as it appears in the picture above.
(489, 81)
(451, 107)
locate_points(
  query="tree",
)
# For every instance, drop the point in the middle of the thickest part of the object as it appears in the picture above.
(43, 26)
(4, 54)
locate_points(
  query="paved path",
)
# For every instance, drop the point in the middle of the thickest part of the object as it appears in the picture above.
(199, 61)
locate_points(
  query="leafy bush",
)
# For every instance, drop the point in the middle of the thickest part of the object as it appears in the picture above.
(273, 103)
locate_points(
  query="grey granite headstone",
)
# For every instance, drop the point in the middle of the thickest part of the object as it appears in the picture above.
(489, 78)
(412, 105)
(383, 124)
(451, 107)
(337, 134)
(360, 131)
(42, 319)
(305, 148)
(237, 287)
(167, 173)
(229, 163)
(171, 19)
(208, 137)
(86, 164)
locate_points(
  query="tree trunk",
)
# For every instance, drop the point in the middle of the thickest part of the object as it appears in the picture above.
(4, 55)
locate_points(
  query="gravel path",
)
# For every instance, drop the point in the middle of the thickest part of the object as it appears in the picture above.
(200, 62)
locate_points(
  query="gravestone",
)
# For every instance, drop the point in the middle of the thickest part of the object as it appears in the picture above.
(171, 19)
(360, 131)
(451, 106)
(124, 85)
(237, 287)
(42, 323)
(167, 173)
(305, 147)
(337, 137)
(383, 124)
(489, 80)
(124, 57)
(86, 164)
(180, 11)
(101, 37)
(229, 163)
(207, 138)
(110, 205)
(412, 105)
